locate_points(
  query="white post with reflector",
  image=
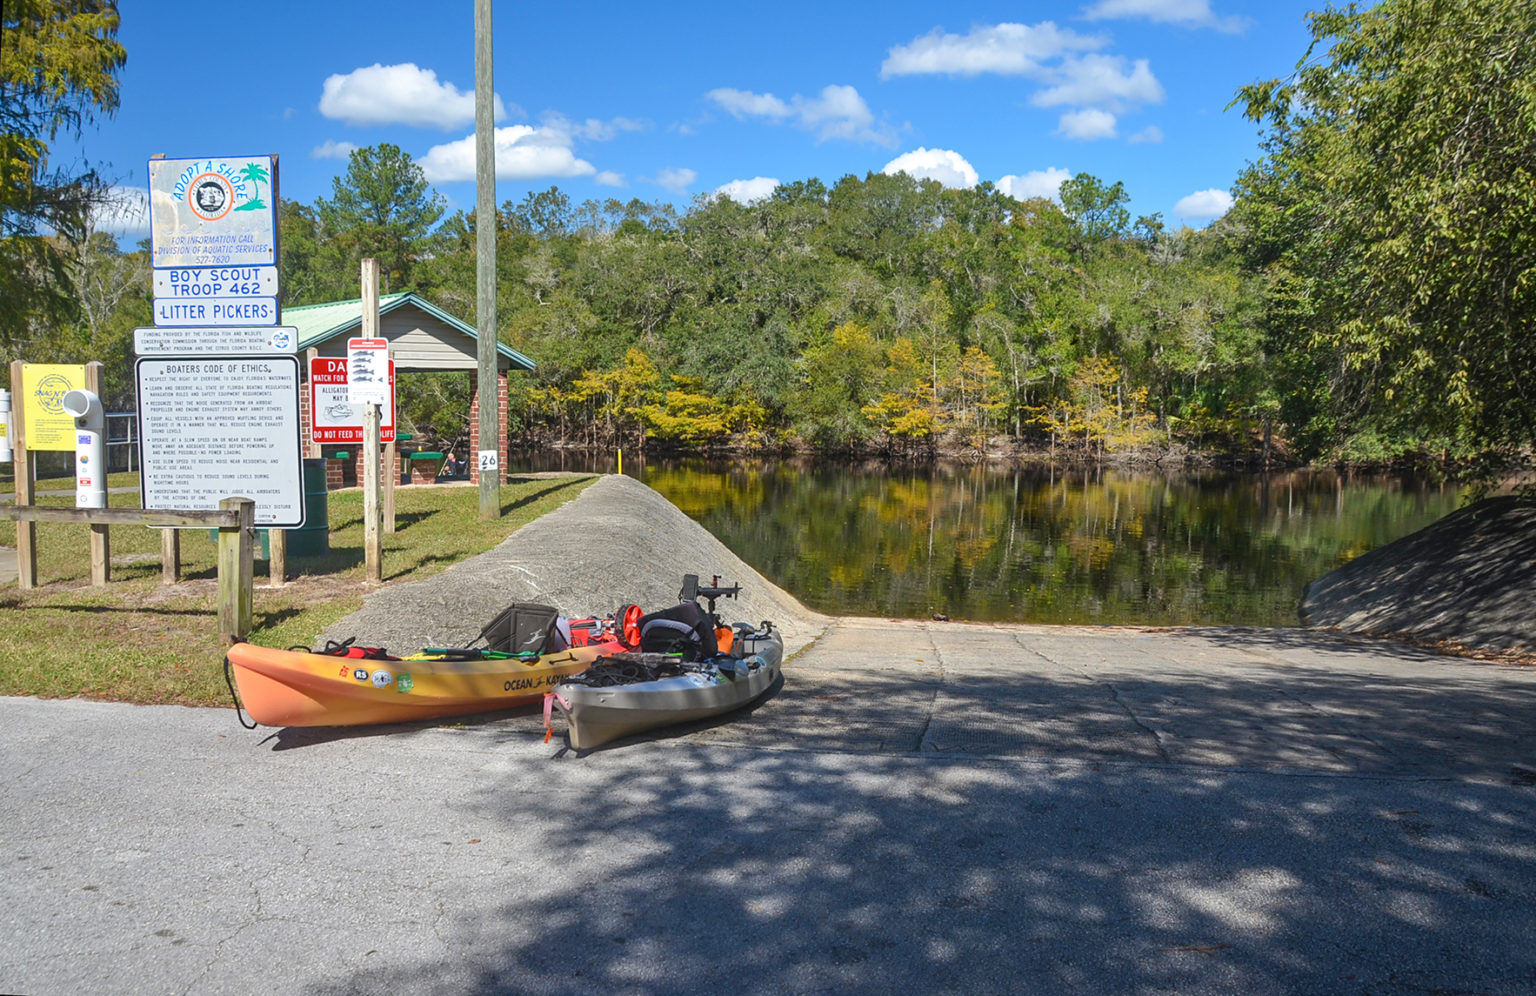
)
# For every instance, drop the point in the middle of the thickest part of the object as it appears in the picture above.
(5, 426)
(90, 447)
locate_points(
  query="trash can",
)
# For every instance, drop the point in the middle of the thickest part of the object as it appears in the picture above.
(262, 547)
(314, 537)
(404, 456)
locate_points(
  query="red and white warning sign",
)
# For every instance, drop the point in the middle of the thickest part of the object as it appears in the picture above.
(333, 419)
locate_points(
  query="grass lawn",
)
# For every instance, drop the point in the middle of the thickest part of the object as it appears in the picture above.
(137, 640)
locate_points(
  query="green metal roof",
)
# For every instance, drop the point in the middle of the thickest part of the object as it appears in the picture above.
(319, 322)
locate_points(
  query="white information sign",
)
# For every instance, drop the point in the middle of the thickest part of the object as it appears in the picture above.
(216, 427)
(216, 281)
(216, 339)
(213, 212)
(334, 419)
(179, 312)
(367, 376)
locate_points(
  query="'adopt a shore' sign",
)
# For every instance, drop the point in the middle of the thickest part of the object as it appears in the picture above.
(210, 212)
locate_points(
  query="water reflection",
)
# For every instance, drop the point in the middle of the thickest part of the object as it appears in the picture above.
(1040, 544)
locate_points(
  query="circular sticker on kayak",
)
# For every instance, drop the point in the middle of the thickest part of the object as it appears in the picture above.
(360, 674)
(382, 679)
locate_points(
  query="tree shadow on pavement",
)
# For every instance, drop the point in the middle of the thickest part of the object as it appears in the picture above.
(1076, 857)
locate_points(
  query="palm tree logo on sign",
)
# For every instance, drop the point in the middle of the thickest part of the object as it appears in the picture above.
(257, 174)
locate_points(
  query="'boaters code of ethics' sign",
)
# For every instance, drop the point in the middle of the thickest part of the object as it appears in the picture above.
(213, 212)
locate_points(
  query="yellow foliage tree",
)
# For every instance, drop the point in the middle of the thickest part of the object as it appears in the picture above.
(1098, 411)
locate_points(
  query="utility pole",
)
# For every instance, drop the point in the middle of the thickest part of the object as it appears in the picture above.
(485, 267)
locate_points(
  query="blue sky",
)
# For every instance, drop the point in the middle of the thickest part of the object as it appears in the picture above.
(622, 100)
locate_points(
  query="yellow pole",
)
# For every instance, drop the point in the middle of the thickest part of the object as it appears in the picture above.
(621, 460)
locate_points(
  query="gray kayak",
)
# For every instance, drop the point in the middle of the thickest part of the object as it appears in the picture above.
(599, 714)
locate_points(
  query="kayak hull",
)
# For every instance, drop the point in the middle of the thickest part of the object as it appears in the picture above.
(293, 688)
(596, 716)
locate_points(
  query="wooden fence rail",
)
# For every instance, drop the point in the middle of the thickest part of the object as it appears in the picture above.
(235, 520)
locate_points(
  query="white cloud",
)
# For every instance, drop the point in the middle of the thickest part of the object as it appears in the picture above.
(837, 112)
(522, 153)
(676, 180)
(332, 149)
(1069, 67)
(1009, 49)
(1087, 125)
(401, 94)
(592, 129)
(1036, 183)
(1151, 133)
(746, 104)
(949, 168)
(748, 191)
(1101, 79)
(608, 178)
(125, 213)
(1191, 13)
(1203, 205)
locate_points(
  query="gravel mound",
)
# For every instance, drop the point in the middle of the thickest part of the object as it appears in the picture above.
(618, 542)
(1469, 578)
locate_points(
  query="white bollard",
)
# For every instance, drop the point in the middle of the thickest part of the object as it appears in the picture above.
(5, 426)
(90, 448)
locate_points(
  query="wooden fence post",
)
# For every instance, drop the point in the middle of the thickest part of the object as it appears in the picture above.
(236, 566)
(277, 557)
(170, 556)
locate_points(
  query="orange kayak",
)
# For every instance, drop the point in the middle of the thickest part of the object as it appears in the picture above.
(292, 688)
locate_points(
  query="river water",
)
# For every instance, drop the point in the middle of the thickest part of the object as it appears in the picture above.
(1041, 544)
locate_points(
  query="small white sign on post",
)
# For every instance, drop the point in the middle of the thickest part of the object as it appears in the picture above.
(227, 340)
(367, 371)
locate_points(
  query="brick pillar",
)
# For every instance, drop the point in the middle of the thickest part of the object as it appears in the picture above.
(501, 426)
(474, 425)
(306, 420)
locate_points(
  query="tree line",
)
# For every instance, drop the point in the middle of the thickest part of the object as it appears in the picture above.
(1368, 297)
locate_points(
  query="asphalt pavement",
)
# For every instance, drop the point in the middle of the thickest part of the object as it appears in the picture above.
(921, 807)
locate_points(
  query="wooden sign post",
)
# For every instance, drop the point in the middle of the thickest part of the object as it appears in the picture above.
(373, 549)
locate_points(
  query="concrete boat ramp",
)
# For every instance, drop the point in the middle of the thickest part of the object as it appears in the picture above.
(921, 807)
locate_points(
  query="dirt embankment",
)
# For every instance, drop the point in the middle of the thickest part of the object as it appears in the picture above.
(618, 543)
(1469, 579)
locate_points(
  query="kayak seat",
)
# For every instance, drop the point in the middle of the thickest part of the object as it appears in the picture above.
(684, 628)
(527, 627)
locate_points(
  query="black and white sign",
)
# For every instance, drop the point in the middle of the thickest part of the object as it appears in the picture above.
(214, 427)
(367, 371)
